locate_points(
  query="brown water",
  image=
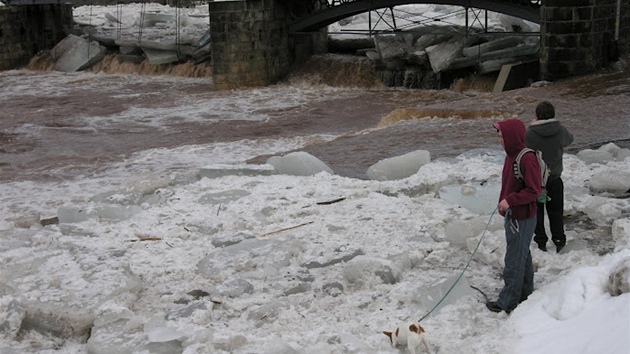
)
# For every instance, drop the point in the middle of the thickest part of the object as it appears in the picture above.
(595, 108)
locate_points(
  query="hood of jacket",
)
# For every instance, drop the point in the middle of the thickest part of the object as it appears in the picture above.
(546, 127)
(513, 131)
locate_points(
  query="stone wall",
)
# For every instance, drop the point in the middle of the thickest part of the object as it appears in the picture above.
(250, 43)
(624, 27)
(577, 36)
(27, 30)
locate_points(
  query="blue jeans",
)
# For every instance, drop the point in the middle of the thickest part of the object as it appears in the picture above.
(518, 273)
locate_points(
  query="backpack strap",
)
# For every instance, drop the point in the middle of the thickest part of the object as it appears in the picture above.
(516, 167)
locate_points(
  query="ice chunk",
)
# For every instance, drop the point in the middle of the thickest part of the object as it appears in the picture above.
(158, 331)
(233, 288)
(71, 214)
(574, 245)
(278, 346)
(150, 19)
(621, 233)
(186, 311)
(615, 182)
(158, 57)
(112, 315)
(231, 344)
(298, 163)
(610, 148)
(619, 279)
(74, 286)
(364, 270)
(223, 261)
(121, 337)
(74, 53)
(431, 39)
(601, 211)
(399, 167)
(515, 24)
(266, 312)
(622, 154)
(11, 315)
(432, 295)
(459, 231)
(479, 198)
(223, 197)
(442, 55)
(595, 156)
(146, 183)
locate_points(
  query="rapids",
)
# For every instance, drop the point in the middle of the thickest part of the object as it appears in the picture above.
(56, 125)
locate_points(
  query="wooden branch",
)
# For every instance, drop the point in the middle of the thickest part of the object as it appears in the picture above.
(146, 238)
(285, 229)
(332, 201)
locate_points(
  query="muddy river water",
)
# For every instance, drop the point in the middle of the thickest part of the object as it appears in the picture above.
(50, 120)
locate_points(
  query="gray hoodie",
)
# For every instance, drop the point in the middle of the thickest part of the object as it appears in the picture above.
(550, 137)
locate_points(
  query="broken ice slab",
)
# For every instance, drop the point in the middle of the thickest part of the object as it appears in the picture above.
(71, 214)
(298, 163)
(74, 53)
(150, 19)
(442, 55)
(223, 197)
(614, 182)
(399, 167)
(157, 57)
(61, 289)
(574, 245)
(430, 296)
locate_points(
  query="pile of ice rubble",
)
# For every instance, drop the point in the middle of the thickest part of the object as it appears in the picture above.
(159, 35)
(139, 269)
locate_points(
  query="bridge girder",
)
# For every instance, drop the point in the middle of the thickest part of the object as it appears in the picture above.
(525, 9)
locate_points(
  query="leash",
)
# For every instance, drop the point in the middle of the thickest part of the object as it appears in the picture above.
(466, 267)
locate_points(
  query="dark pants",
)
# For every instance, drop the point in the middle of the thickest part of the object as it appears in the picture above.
(518, 273)
(555, 211)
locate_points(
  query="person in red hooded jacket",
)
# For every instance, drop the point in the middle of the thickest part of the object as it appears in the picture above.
(517, 203)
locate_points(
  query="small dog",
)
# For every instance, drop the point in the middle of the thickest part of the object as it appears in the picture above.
(408, 335)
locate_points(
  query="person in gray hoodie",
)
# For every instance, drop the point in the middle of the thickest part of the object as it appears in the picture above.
(547, 134)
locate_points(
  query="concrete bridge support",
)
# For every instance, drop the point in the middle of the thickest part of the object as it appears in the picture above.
(578, 36)
(251, 45)
(27, 30)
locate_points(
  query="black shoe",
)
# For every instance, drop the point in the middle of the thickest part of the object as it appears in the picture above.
(493, 306)
(542, 246)
(559, 245)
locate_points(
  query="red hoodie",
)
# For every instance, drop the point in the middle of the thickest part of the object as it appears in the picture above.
(521, 196)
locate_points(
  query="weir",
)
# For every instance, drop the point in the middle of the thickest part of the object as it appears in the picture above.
(256, 42)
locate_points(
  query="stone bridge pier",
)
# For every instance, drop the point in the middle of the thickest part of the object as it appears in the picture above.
(578, 37)
(26, 30)
(251, 44)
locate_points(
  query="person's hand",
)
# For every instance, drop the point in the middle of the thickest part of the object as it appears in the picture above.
(503, 205)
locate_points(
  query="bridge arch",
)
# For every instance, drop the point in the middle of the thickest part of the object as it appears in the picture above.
(526, 9)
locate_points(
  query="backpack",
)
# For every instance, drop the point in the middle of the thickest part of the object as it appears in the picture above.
(544, 172)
